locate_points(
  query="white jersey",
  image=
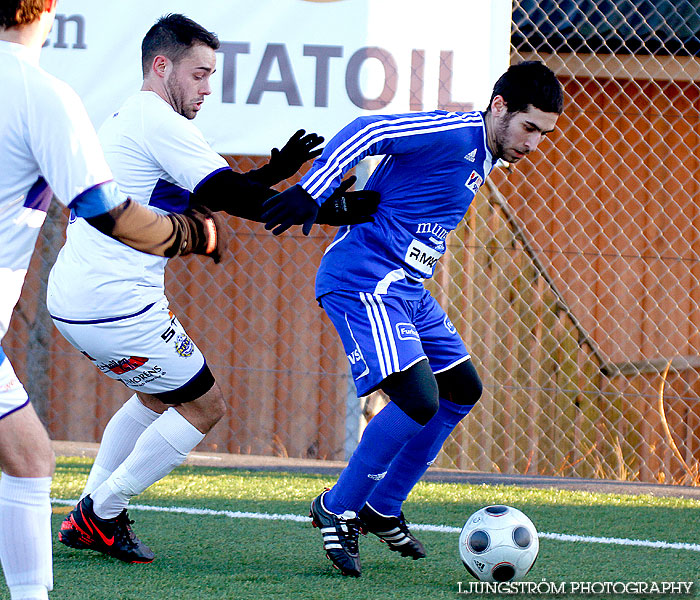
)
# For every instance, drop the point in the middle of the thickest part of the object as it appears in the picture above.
(158, 158)
(48, 146)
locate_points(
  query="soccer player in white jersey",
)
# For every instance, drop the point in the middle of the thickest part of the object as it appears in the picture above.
(370, 283)
(110, 302)
(48, 146)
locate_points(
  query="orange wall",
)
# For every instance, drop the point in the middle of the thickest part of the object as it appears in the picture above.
(611, 204)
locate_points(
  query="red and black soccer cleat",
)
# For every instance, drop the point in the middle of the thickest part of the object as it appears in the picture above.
(83, 529)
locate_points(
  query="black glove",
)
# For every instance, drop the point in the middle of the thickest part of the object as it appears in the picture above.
(348, 208)
(294, 206)
(203, 232)
(300, 148)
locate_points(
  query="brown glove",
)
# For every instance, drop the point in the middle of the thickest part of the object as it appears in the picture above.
(196, 231)
(203, 232)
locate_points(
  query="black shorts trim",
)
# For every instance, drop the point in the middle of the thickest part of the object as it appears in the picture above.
(195, 388)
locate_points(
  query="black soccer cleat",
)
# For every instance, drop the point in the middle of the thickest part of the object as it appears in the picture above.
(83, 529)
(393, 531)
(340, 537)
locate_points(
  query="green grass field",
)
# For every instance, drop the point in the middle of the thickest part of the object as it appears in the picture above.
(213, 556)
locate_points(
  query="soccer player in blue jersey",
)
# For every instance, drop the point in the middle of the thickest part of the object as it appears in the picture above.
(370, 283)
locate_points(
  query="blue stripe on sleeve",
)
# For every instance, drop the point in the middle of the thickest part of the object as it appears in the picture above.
(169, 197)
(39, 196)
(371, 135)
(97, 200)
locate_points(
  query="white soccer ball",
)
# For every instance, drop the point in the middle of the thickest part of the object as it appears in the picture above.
(498, 543)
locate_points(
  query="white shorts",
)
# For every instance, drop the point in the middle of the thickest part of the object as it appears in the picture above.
(12, 393)
(149, 352)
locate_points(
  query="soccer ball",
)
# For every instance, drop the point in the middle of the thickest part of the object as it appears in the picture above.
(498, 543)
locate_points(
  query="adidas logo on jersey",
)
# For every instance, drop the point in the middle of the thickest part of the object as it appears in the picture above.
(471, 157)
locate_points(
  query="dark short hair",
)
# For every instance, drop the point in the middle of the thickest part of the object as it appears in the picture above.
(529, 83)
(19, 12)
(172, 36)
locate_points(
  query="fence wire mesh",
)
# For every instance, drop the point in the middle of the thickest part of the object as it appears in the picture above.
(573, 280)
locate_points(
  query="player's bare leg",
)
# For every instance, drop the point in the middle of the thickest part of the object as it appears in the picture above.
(203, 413)
(25, 449)
(27, 463)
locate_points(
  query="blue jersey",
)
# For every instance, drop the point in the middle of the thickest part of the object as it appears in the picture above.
(433, 166)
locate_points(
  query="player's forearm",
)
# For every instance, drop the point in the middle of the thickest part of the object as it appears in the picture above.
(339, 156)
(194, 232)
(235, 193)
(109, 211)
(369, 135)
(265, 175)
(138, 227)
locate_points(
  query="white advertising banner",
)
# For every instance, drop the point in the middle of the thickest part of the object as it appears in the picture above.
(285, 65)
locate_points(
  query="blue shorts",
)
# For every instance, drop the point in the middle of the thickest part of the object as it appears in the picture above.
(387, 334)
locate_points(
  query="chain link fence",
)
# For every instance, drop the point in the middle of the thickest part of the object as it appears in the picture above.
(573, 280)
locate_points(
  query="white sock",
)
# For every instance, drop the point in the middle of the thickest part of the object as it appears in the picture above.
(118, 440)
(25, 536)
(163, 446)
